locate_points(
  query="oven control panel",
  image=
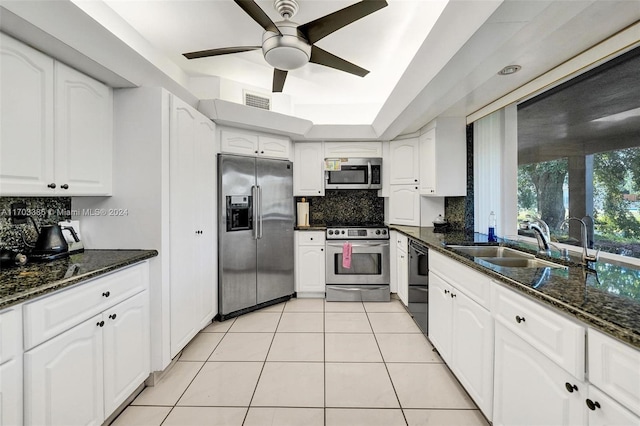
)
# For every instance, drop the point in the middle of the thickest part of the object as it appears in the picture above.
(378, 233)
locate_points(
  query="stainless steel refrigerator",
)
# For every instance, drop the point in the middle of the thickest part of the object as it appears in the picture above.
(255, 238)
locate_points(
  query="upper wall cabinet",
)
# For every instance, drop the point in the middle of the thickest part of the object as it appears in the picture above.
(443, 158)
(45, 153)
(352, 149)
(234, 141)
(405, 161)
(308, 173)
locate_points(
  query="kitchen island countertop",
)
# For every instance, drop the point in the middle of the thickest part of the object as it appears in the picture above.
(22, 283)
(600, 297)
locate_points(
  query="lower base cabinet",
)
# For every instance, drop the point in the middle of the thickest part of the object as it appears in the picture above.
(604, 411)
(82, 375)
(11, 393)
(310, 260)
(530, 389)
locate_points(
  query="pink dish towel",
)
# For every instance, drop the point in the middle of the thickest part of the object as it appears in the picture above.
(346, 255)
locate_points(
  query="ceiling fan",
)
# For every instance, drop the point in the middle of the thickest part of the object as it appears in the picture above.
(287, 45)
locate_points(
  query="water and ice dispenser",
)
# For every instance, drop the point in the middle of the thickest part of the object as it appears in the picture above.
(239, 212)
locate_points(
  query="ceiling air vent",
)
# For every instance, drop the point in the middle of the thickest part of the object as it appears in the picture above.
(257, 100)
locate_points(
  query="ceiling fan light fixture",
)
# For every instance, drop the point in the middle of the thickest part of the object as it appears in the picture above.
(287, 51)
(509, 69)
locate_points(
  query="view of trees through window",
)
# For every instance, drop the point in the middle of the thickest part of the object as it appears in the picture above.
(579, 156)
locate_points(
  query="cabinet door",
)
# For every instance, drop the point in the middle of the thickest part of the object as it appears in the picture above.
(607, 412)
(428, 163)
(233, 142)
(83, 134)
(308, 169)
(63, 378)
(11, 393)
(184, 226)
(310, 271)
(440, 324)
(126, 349)
(472, 349)
(26, 120)
(402, 272)
(206, 257)
(405, 160)
(530, 389)
(404, 205)
(269, 146)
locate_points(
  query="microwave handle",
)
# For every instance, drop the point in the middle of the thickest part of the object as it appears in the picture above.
(369, 172)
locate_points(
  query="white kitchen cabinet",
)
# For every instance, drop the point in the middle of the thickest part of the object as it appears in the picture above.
(308, 169)
(462, 332)
(310, 261)
(11, 366)
(404, 205)
(443, 158)
(614, 368)
(402, 267)
(352, 149)
(83, 374)
(603, 410)
(56, 127)
(404, 156)
(234, 141)
(192, 186)
(171, 202)
(530, 389)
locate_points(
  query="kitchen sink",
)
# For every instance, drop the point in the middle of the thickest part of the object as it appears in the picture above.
(504, 256)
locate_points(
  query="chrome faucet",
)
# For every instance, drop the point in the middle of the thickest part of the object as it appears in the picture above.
(541, 231)
(586, 257)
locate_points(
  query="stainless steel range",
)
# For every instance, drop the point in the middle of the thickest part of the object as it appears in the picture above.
(357, 264)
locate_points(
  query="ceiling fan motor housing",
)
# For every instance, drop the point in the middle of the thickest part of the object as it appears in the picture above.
(286, 52)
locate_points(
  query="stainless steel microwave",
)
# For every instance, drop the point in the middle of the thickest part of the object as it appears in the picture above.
(353, 173)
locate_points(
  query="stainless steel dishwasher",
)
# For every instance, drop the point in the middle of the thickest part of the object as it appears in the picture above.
(419, 284)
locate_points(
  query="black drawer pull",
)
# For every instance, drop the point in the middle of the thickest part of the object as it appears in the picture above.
(592, 404)
(519, 319)
(64, 186)
(112, 316)
(446, 292)
(51, 185)
(100, 324)
(106, 294)
(570, 387)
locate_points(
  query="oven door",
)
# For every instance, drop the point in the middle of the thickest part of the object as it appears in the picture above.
(369, 263)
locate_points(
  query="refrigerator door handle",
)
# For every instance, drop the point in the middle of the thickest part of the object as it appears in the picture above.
(259, 211)
(254, 196)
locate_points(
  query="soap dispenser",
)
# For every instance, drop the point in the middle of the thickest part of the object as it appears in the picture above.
(492, 227)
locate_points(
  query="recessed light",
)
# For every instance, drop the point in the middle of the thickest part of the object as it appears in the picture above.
(509, 69)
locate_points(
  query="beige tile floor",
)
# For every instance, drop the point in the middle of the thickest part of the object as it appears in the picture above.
(308, 362)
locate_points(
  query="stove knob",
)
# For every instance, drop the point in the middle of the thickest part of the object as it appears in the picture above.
(330, 232)
(384, 232)
(377, 232)
(342, 232)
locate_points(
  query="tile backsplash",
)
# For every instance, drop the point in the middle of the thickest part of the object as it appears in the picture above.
(353, 207)
(43, 210)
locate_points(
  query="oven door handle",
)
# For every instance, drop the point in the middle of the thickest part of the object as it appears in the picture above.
(360, 244)
(363, 288)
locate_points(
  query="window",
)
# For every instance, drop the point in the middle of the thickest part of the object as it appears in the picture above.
(579, 156)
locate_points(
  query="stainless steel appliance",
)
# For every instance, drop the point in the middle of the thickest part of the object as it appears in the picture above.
(353, 173)
(419, 284)
(255, 244)
(367, 278)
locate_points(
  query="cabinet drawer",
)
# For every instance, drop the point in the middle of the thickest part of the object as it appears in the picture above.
(615, 368)
(10, 334)
(474, 284)
(310, 238)
(557, 337)
(51, 315)
(402, 241)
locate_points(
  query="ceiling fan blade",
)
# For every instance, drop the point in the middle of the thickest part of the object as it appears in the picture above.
(218, 52)
(279, 76)
(252, 9)
(322, 57)
(322, 27)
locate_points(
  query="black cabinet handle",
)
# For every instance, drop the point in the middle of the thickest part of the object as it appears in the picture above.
(51, 185)
(106, 294)
(519, 319)
(100, 324)
(446, 292)
(261, 152)
(453, 295)
(570, 387)
(321, 249)
(592, 404)
(113, 316)
(64, 186)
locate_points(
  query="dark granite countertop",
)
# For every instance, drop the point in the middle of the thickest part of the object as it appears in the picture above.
(311, 228)
(22, 283)
(606, 297)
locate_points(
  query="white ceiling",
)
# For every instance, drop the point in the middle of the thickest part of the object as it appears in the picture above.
(383, 42)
